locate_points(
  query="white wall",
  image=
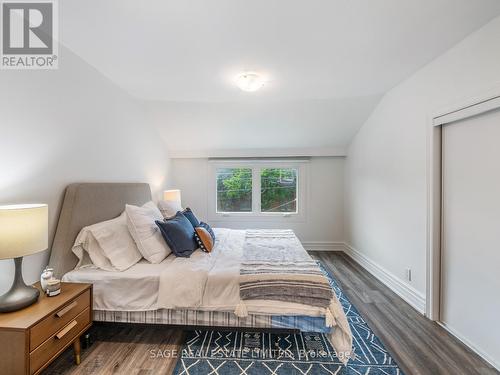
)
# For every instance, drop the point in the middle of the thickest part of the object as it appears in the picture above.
(324, 218)
(64, 126)
(386, 162)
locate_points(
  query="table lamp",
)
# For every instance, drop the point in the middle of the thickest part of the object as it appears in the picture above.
(23, 231)
(173, 196)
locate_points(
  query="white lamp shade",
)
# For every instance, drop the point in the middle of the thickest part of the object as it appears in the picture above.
(172, 196)
(23, 230)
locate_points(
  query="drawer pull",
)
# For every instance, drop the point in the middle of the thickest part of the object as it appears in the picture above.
(63, 311)
(66, 329)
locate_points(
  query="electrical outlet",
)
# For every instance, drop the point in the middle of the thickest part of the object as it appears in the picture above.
(408, 274)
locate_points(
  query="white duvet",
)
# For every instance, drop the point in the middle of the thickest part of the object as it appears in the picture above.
(211, 282)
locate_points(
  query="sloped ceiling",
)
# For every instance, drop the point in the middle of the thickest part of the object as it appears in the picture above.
(328, 61)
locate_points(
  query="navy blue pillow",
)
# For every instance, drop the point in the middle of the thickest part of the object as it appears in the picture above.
(191, 217)
(178, 233)
(208, 228)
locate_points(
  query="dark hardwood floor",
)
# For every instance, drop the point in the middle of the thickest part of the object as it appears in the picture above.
(417, 344)
(124, 349)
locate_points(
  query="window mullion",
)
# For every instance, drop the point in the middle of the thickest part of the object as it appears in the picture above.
(256, 190)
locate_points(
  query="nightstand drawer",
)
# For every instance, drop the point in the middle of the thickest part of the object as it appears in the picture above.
(54, 322)
(44, 353)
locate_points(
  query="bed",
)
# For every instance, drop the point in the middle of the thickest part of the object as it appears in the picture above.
(209, 294)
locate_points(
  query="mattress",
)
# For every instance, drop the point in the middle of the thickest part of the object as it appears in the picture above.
(151, 293)
(131, 297)
(146, 286)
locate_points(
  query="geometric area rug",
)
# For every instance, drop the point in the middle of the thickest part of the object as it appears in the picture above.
(256, 353)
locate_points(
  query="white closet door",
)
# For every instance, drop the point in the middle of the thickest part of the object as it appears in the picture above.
(470, 279)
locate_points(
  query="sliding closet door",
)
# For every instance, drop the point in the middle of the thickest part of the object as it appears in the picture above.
(470, 279)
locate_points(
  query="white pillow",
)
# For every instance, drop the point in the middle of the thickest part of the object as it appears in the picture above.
(108, 244)
(145, 232)
(168, 209)
(118, 245)
(86, 247)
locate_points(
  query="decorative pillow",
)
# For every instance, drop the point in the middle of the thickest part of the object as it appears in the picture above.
(168, 209)
(108, 244)
(178, 233)
(147, 236)
(209, 230)
(204, 239)
(191, 217)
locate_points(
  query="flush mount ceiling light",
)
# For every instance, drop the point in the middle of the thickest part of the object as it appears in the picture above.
(250, 81)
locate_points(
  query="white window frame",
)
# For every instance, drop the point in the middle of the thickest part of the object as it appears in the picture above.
(256, 214)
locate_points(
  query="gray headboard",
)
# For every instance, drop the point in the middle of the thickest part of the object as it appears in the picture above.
(86, 204)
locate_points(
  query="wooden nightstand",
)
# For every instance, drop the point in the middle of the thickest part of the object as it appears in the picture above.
(32, 337)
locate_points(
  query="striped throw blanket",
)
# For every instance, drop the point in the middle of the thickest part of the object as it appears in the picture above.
(275, 266)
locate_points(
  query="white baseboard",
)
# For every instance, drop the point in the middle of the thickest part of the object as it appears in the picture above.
(397, 285)
(323, 246)
(471, 346)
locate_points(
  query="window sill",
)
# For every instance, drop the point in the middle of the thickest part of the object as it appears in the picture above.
(254, 217)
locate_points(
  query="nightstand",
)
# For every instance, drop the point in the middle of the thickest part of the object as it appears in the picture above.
(33, 337)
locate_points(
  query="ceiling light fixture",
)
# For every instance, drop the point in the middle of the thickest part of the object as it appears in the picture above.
(250, 81)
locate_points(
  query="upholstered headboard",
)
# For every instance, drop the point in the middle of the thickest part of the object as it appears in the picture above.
(86, 204)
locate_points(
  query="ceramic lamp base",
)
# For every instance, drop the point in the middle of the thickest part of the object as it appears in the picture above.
(19, 295)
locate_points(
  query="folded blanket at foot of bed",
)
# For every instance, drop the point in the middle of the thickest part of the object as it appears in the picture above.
(276, 267)
(300, 281)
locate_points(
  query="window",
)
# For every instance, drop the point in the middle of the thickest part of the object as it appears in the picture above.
(234, 190)
(278, 190)
(264, 189)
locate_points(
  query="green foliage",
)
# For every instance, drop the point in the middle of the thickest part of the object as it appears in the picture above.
(278, 189)
(234, 190)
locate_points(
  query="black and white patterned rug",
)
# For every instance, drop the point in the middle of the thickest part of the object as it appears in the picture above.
(252, 353)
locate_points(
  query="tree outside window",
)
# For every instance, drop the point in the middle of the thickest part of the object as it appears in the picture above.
(278, 190)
